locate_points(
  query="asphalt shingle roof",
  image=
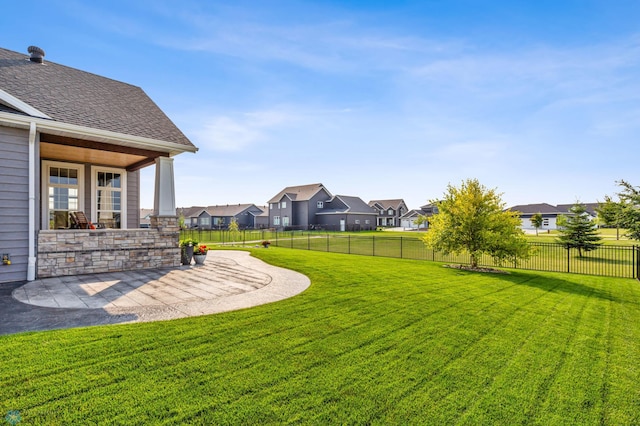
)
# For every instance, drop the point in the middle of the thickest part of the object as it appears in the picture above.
(81, 98)
(299, 193)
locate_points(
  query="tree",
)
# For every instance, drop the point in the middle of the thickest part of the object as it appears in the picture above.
(610, 214)
(473, 219)
(630, 201)
(234, 230)
(579, 232)
(536, 221)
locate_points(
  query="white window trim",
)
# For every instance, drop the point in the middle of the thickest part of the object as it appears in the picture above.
(46, 165)
(320, 204)
(123, 197)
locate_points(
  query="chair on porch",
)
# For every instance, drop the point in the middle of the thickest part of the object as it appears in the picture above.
(79, 220)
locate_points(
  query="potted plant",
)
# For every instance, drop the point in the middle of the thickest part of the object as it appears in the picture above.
(266, 244)
(186, 250)
(200, 254)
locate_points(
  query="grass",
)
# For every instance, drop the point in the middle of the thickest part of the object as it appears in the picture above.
(372, 341)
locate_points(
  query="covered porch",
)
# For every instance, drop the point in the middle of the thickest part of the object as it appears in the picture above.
(101, 179)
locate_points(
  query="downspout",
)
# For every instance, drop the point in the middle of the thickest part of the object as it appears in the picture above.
(31, 265)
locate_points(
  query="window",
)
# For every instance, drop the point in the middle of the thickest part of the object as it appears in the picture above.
(283, 205)
(320, 204)
(367, 222)
(285, 221)
(390, 212)
(63, 185)
(270, 206)
(545, 222)
(109, 197)
(276, 220)
(357, 221)
(205, 221)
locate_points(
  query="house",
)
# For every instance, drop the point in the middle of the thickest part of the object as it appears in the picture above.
(262, 219)
(591, 209)
(346, 213)
(313, 206)
(390, 212)
(219, 217)
(409, 220)
(549, 215)
(73, 141)
(295, 207)
(145, 218)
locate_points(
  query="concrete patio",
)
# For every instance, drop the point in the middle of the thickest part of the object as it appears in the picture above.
(228, 280)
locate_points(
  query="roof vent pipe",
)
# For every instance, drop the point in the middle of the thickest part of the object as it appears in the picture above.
(37, 54)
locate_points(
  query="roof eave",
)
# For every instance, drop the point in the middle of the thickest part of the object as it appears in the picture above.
(97, 135)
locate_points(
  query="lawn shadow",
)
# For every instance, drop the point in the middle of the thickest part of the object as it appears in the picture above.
(18, 317)
(554, 284)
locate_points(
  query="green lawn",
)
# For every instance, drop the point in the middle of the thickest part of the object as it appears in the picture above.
(372, 341)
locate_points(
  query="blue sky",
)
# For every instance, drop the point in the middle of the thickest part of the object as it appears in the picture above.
(539, 99)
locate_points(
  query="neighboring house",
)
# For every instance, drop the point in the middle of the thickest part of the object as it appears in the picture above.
(219, 217)
(313, 206)
(72, 141)
(347, 213)
(262, 219)
(590, 207)
(390, 212)
(145, 218)
(549, 215)
(190, 215)
(295, 207)
(408, 221)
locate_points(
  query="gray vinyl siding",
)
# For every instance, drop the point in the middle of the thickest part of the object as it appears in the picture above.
(14, 202)
(133, 199)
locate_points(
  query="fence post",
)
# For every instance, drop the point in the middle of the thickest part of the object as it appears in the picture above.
(373, 242)
(327, 243)
(568, 260)
(349, 244)
(401, 248)
(308, 241)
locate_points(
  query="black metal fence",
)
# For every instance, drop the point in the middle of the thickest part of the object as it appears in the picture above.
(607, 260)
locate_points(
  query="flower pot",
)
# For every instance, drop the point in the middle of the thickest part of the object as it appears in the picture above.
(199, 258)
(186, 254)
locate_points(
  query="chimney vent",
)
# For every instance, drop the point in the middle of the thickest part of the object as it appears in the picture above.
(37, 54)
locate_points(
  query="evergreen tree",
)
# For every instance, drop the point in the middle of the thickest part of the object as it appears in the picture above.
(579, 232)
(630, 200)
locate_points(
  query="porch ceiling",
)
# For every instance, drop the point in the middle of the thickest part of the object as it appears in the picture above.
(75, 150)
(85, 155)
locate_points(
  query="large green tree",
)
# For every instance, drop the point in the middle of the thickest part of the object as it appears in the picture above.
(473, 219)
(579, 231)
(630, 199)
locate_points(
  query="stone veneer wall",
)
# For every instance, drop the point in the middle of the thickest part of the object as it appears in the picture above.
(83, 251)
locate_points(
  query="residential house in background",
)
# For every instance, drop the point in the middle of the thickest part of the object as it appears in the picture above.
(390, 212)
(346, 213)
(314, 207)
(591, 209)
(295, 207)
(549, 213)
(145, 218)
(219, 217)
(73, 141)
(408, 221)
